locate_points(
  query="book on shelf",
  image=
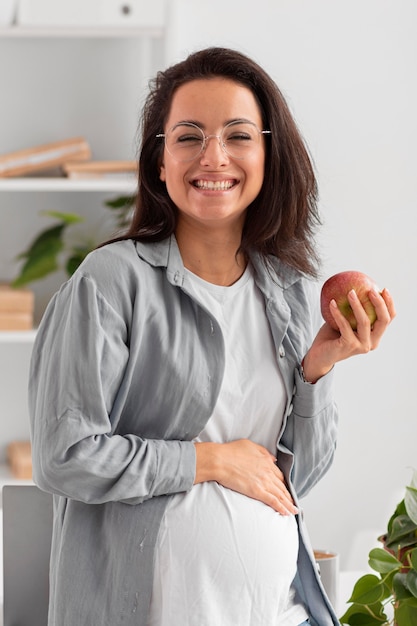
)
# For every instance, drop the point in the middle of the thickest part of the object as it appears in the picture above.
(19, 459)
(16, 308)
(100, 169)
(44, 157)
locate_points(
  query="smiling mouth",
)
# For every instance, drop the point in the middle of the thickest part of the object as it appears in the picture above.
(214, 185)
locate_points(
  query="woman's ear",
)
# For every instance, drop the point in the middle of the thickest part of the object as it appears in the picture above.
(162, 172)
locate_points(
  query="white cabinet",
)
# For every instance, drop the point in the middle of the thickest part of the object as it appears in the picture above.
(56, 84)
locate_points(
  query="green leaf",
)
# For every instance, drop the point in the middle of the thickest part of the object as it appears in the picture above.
(411, 582)
(359, 615)
(44, 242)
(382, 561)
(122, 207)
(66, 218)
(400, 510)
(402, 532)
(413, 558)
(35, 269)
(121, 202)
(406, 613)
(400, 588)
(411, 503)
(41, 257)
(76, 259)
(368, 590)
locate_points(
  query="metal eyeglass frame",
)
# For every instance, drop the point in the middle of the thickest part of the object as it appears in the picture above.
(207, 137)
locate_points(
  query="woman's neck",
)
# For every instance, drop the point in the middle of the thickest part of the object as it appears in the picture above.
(213, 256)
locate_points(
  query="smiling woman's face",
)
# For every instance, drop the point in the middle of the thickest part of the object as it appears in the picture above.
(214, 189)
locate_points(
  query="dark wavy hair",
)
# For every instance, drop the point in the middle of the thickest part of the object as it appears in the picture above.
(281, 221)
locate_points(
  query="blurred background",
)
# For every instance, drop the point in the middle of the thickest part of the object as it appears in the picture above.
(348, 71)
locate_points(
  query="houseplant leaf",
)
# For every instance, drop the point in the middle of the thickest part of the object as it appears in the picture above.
(359, 615)
(41, 256)
(35, 269)
(367, 590)
(413, 558)
(382, 561)
(400, 587)
(400, 510)
(411, 503)
(397, 565)
(122, 208)
(120, 202)
(406, 613)
(402, 533)
(65, 218)
(411, 582)
(77, 257)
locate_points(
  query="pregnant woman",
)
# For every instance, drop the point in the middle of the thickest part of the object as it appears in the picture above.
(181, 391)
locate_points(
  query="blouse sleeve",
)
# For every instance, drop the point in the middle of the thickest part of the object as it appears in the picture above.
(311, 428)
(311, 432)
(77, 369)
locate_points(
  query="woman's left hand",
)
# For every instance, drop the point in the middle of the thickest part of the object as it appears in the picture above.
(331, 346)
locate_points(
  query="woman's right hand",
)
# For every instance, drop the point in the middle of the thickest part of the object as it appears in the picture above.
(245, 467)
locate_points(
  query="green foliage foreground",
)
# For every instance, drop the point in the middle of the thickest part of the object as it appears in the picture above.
(395, 584)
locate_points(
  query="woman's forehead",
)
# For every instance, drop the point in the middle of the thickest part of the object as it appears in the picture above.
(216, 99)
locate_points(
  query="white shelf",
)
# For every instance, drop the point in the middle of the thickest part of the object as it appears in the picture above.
(122, 32)
(17, 336)
(121, 185)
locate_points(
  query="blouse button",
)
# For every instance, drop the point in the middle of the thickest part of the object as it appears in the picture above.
(281, 351)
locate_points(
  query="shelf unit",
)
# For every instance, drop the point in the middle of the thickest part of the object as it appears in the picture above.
(60, 83)
(126, 184)
(89, 32)
(17, 336)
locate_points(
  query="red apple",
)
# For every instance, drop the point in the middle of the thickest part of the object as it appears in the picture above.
(338, 286)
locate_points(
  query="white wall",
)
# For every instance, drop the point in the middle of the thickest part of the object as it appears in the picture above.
(348, 70)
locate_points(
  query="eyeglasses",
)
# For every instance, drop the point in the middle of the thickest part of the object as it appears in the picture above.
(187, 141)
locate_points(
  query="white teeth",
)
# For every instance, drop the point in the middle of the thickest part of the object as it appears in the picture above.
(218, 185)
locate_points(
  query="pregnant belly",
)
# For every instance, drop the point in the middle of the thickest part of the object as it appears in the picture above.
(219, 551)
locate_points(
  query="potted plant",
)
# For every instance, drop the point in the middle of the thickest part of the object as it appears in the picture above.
(395, 585)
(50, 250)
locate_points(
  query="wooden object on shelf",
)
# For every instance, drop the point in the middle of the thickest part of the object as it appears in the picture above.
(100, 169)
(16, 308)
(44, 157)
(19, 458)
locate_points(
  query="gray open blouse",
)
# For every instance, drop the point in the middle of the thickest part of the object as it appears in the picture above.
(125, 372)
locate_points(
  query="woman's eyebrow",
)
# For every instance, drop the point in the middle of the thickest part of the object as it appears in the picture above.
(185, 122)
(235, 120)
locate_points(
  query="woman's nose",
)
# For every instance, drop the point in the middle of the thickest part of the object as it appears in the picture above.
(213, 151)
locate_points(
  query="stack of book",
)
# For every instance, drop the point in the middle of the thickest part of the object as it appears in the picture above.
(71, 158)
(19, 459)
(44, 157)
(100, 169)
(16, 308)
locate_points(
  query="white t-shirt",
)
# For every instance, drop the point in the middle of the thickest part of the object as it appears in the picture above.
(224, 559)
